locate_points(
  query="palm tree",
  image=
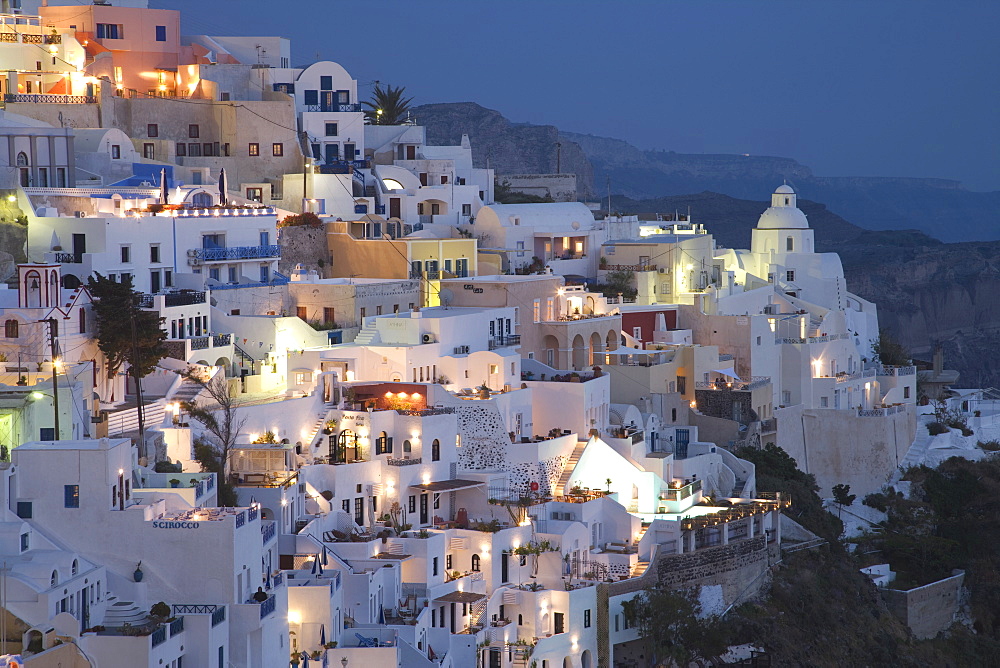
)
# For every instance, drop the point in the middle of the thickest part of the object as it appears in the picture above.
(387, 106)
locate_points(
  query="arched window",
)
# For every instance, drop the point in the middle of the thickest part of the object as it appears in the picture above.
(407, 447)
(435, 450)
(201, 199)
(475, 563)
(22, 165)
(75, 568)
(789, 244)
(10, 329)
(520, 619)
(54, 579)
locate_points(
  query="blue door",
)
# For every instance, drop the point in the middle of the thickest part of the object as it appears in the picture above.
(683, 438)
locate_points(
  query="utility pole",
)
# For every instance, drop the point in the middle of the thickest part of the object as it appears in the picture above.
(558, 158)
(139, 408)
(54, 348)
(609, 198)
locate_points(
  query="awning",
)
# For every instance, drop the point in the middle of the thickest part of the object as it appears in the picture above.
(460, 597)
(447, 485)
(728, 372)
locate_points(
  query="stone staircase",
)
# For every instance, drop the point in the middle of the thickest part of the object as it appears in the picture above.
(918, 449)
(367, 336)
(567, 471)
(187, 390)
(639, 568)
(123, 612)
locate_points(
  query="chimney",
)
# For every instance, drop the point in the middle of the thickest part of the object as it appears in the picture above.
(938, 361)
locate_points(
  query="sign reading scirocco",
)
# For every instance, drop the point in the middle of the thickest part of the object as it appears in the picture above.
(160, 524)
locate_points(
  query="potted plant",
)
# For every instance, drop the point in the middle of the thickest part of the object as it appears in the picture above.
(174, 482)
(329, 426)
(22, 381)
(194, 482)
(330, 645)
(137, 574)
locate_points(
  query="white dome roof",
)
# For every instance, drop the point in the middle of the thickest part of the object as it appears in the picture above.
(783, 218)
(784, 190)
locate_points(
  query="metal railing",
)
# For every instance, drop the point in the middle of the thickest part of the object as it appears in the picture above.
(268, 606)
(268, 532)
(681, 493)
(235, 253)
(68, 258)
(222, 340)
(341, 107)
(199, 342)
(503, 341)
(159, 636)
(37, 98)
(404, 462)
(628, 267)
(881, 412)
(194, 609)
(176, 626)
(218, 615)
(896, 370)
(241, 519)
(170, 298)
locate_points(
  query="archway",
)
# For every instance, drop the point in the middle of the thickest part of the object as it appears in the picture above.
(550, 348)
(225, 364)
(568, 662)
(202, 198)
(71, 282)
(586, 659)
(613, 338)
(596, 348)
(579, 353)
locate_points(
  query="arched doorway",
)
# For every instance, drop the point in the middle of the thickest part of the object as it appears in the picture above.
(550, 347)
(612, 339)
(579, 353)
(596, 348)
(586, 659)
(23, 169)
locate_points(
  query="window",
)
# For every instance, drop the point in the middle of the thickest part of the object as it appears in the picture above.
(83, 321)
(148, 151)
(758, 340)
(789, 244)
(116, 152)
(110, 31)
(328, 315)
(363, 311)
(154, 252)
(475, 563)
(24, 510)
(466, 209)
(682, 384)
(586, 619)
(25, 544)
(436, 451)
(378, 310)
(301, 312)
(824, 402)
(790, 276)
(326, 83)
(161, 33)
(277, 150)
(311, 97)
(10, 329)
(494, 368)
(254, 149)
(168, 278)
(906, 392)
(181, 149)
(434, 566)
(331, 129)
(413, 504)
(255, 194)
(126, 254)
(407, 447)
(71, 496)
(194, 150)
(193, 132)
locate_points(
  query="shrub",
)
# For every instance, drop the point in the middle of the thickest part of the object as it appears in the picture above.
(935, 428)
(989, 446)
(160, 610)
(876, 500)
(306, 218)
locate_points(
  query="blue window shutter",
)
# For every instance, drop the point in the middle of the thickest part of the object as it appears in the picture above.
(311, 97)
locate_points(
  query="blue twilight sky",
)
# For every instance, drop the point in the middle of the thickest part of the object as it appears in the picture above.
(872, 88)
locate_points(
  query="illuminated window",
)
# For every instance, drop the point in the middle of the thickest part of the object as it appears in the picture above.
(277, 150)
(254, 149)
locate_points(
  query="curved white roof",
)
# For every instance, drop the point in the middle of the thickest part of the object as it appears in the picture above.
(783, 218)
(784, 190)
(553, 216)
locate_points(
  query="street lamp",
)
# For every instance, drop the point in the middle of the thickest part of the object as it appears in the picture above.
(378, 116)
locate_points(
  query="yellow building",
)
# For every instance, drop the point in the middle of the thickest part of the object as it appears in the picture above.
(430, 259)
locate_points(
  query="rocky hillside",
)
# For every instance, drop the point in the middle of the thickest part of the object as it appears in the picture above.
(507, 147)
(938, 207)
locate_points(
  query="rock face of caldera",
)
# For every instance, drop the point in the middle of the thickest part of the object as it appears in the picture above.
(938, 207)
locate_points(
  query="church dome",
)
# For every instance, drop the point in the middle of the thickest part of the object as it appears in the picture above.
(783, 218)
(783, 214)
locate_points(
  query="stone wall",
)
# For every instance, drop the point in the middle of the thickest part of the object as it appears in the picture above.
(927, 610)
(559, 187)
(737, 567)
(303, 245)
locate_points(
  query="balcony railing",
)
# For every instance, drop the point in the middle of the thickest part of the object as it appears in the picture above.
(897, 371)
(754, 383)
(218, 615)
(235, 253)
(404, 462)
(681, 493)
(170, 298)
(199, 342)
(268, 532)
(628, 267)
(268, 606)
(219, 340)
(335, 107)
(881, 412)
(37, 98)
(68, 258)
(505, 340)
(159, 636)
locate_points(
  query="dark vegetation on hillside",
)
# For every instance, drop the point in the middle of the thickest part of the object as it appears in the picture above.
(822, 611)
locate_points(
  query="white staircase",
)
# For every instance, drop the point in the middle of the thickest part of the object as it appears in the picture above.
(570, 466)
(123, 612)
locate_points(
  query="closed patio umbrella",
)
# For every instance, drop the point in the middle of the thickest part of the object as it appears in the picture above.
(163, 186)
(223, 198)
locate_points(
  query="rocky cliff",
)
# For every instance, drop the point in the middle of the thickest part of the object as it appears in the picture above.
(938, 207)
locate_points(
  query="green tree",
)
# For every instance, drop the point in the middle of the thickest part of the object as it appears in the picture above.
(674, 628)
(889, 350)
(116, 306)
(387, 106)
(842, 495)
(218, 414)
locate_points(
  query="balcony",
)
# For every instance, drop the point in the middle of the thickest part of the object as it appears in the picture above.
(34, 98)
(268, 532)
(628, 267)
(505, 341)
(754, 383)
(335, 107)
(184, 298)
(199, 255)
